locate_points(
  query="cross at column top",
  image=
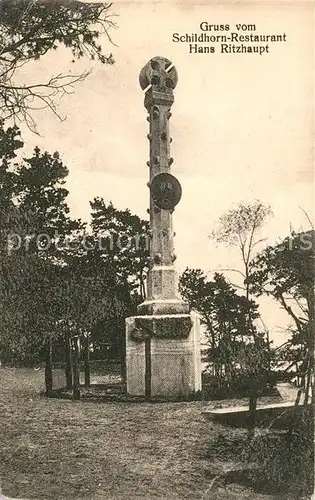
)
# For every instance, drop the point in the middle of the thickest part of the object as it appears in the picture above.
(159, 74)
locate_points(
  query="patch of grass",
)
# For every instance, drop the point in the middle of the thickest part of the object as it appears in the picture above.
(55, 449)
(273, 462)
(285, 459)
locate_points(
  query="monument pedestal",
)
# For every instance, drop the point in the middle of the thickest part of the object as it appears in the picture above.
(163, 356)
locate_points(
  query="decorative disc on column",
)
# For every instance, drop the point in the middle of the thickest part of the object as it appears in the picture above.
(166, 191)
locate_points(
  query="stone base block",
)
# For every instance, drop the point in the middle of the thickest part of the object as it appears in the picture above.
(163, 307)
(163, 356)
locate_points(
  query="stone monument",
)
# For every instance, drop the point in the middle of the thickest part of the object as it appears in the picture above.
(163, 340)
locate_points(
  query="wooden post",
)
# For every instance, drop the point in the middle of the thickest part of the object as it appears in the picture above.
(252, 409)
(76, 368)
(68, 363)
(148, 375)
(48, 367)
(122, 354)
(87, 373)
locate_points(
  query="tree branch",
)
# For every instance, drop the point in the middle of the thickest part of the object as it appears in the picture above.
(297, 321)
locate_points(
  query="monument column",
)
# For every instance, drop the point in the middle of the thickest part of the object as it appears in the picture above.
(158, 78)
(163, 341)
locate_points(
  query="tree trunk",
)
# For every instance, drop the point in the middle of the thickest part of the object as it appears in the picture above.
(311, 381)
(307, 386)
(87, 372)
(48, 367)
(142, 286)
(122, 352)
(252, 412)
(68, 363)
(76, 368)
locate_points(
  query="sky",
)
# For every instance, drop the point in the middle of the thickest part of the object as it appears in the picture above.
(242, 124)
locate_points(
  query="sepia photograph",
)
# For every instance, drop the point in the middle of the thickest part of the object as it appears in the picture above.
(157, 250)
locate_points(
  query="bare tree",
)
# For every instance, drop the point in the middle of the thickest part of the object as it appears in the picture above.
(31, 28)
(240, 227)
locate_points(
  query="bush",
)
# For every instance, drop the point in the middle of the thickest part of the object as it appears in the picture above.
(285, 460)
(239, 387)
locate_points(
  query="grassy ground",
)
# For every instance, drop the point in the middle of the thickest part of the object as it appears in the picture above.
(61, 450)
